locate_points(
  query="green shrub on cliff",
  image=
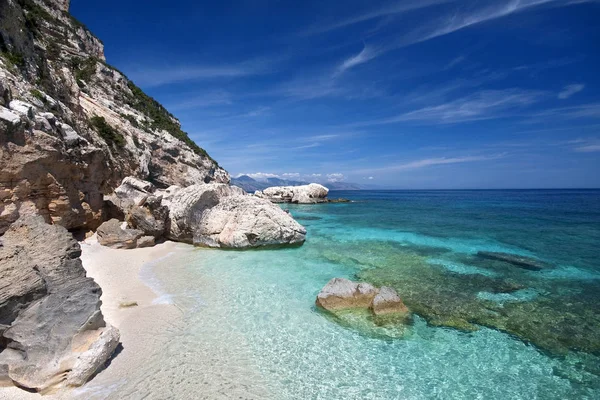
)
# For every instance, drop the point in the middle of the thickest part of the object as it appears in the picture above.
(161, 118)
(84, 69)
(107, 132)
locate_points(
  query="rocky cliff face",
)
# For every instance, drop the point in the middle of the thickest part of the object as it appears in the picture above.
(52, 331)
(72, 127)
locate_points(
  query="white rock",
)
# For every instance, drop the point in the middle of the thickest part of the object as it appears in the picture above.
(90, 361)
(49, 116)
(186, 206)
(22, 108)
(42, 123)
(246, 221)
(340, 293)
(9, 116)
(69, 135)
(306, 194)
(219, 215)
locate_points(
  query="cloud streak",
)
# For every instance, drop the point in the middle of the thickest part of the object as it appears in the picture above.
(396, 8)
(445, 26)
(154, 77)
(483, 105)
(430, 162)
(570, 90)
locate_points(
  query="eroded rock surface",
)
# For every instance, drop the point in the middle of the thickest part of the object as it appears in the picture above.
(246, 221)
(387, 301)
(340, 293)
(111, 234)
(53, 314)
(306, 194)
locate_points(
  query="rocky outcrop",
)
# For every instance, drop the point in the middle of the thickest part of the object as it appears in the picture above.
(343, 294)
(55, 332)
(209, 215)
(340, 293)
(363, 307)
(73, 127)
(218, 215)
(245, 221)
(188, 205)
(111, 234)
(306, 194)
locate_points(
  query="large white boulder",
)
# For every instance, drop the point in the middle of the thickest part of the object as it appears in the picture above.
(219, 215)
(305, 194)
(246, 221)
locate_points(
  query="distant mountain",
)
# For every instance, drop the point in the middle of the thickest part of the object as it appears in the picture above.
(251, 185)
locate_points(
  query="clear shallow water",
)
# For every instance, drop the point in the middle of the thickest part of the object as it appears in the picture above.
(249, 318)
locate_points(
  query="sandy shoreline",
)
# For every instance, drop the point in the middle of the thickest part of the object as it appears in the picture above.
(118, 274)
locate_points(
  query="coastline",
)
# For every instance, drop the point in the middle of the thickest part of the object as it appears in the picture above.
(118, 273)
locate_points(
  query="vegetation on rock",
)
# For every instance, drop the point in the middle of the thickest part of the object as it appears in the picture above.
(161, 118)
(107, 132)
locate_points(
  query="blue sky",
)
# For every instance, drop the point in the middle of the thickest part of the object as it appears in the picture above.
(405, 94)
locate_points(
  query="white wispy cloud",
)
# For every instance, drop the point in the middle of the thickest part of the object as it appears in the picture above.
(581, 111)
(446, 25)
(152, 77)
(395, 8)
(570, 90)
(585, 145)
(309, 177)
(486, 104)
(429, 162)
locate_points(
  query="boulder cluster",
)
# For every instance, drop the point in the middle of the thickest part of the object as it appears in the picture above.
(343, 294)
(305, 194)
(208, 215)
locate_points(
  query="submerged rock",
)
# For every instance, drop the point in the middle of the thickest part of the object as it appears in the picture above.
(111, 234)
(387, 301)
(561, 317)
(306, 194)
(53, 328)
(361, 306)
(340, 293)
(529, 263)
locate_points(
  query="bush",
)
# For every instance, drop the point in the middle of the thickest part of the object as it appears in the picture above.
(107, 132)
(14, 59)
(161, 118)
(83, 69)
(38, 95)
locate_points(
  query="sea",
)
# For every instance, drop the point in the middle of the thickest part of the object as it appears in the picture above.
(482, 328)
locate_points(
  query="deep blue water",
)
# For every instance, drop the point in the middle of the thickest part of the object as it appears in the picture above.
(522, 334)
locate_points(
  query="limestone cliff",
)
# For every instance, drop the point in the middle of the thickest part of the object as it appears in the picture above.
(72, 127)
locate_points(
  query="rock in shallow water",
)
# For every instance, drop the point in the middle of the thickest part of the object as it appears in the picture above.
(54, 321)
(340, 293)
(305, 194)
(529, 263)
(387, 301)
(361, 306)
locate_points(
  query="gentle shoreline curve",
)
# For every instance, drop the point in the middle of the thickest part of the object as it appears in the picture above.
(118, 274)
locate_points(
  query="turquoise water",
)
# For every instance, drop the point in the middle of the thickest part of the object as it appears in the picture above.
(256, 308)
